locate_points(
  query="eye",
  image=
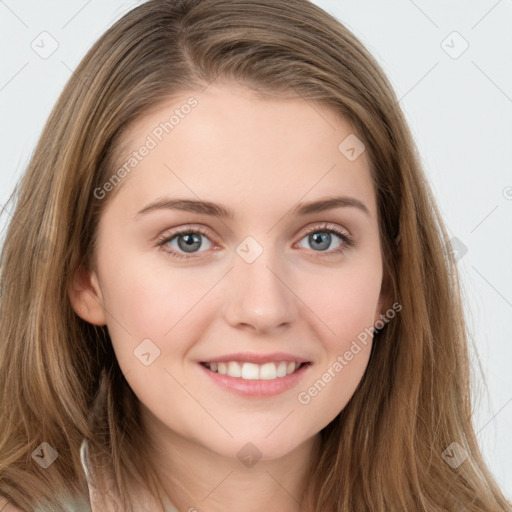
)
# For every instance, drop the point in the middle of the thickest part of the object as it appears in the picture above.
(187, 241)
(321, 238)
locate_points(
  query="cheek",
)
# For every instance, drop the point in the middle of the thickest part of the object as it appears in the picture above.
(141, 304)
(331, 387)
(148, 298)
(151, 301)
(344, 301)
(345, 305)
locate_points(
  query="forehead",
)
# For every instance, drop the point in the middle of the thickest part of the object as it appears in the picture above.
(227, 144)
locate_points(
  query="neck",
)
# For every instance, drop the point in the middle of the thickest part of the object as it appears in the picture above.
(195, 478)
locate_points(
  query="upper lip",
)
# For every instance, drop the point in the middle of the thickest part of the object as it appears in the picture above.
(251, 357)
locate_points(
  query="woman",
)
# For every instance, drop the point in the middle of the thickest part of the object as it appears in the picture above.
(174, 339)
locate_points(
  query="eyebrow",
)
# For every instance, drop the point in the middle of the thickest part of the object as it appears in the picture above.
(218, 210)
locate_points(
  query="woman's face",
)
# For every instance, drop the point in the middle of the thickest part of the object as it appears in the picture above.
(257, 271)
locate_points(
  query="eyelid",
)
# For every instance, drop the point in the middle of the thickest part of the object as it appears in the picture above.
(170, 234)
(324, 225)
(187, 228)
(343, 233)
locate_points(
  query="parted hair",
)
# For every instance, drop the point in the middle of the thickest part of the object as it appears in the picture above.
(59, 378)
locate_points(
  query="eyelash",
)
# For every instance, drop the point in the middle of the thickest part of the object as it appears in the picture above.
(347, 239)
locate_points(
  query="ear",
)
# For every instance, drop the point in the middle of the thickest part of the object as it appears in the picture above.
(85, 295)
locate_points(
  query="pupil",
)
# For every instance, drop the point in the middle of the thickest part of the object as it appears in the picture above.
(190, 241)
(321, 237)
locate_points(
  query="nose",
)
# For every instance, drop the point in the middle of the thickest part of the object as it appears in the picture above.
(260, 295)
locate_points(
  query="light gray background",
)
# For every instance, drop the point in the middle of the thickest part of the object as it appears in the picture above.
(458, 104)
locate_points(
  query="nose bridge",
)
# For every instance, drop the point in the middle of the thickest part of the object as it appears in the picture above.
(260, 295)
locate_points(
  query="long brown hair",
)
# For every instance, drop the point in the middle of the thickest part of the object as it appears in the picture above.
(384, 451)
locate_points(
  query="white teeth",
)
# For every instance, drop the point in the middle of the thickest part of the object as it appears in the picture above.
(268, 371)
(252, 371)
(281, 369)
(234, 369)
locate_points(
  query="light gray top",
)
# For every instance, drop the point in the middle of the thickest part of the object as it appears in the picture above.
(147, 502)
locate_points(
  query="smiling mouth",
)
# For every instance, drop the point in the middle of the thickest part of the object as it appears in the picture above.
(252, 371)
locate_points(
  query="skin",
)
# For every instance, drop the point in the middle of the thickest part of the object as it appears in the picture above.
(259, 157)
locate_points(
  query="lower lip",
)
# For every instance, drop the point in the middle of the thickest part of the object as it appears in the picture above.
(257, 388)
